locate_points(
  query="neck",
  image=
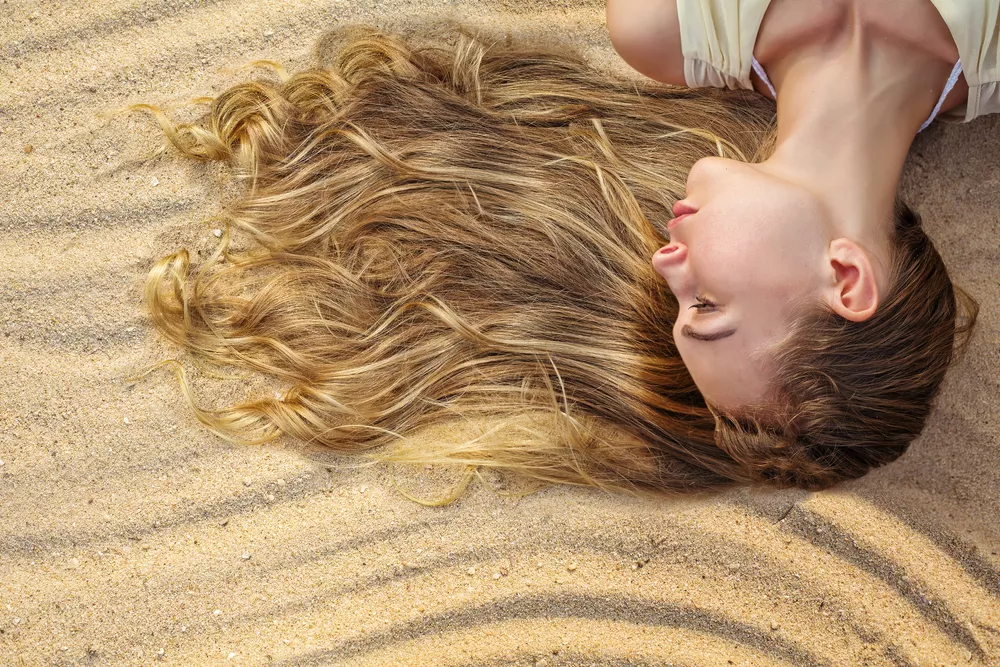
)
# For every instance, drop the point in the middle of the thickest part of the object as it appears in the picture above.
(847, 114)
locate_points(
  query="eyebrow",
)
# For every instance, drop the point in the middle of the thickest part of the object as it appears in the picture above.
(688, 332)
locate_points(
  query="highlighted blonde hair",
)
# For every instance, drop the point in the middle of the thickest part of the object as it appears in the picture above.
(461, 232)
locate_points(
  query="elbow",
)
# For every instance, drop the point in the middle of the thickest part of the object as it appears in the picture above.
(622, 27)
(646, 34)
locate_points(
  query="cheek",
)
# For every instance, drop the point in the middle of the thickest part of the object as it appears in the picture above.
(756, 261)
(724, 265)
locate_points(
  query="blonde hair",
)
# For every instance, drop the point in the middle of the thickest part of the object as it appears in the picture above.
(461, 232)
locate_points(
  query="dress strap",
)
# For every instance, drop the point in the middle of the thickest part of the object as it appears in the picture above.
(763, 77)
(952, 80)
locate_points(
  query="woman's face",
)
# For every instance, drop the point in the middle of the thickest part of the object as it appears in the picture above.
(745, 248)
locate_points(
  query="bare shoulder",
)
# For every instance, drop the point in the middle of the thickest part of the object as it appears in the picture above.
(647, 35)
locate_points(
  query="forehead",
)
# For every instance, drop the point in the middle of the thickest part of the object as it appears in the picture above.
(736, 371)
(730, 373)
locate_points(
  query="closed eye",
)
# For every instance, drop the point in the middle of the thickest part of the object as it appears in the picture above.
(704, 304)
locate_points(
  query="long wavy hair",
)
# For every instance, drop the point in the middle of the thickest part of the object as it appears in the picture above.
(458, 230)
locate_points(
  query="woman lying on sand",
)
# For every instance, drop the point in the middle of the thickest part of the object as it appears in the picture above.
(460, 231)
(816, 222)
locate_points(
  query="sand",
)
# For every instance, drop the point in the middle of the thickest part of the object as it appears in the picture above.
(130, 536)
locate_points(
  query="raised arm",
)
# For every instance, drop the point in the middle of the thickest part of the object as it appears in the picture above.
(647, 35)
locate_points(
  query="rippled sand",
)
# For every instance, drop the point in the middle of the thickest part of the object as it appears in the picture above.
(129, 535)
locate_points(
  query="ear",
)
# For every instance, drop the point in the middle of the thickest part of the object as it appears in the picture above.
(854, 293)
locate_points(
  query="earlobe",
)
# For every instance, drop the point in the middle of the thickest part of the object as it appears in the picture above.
(854, 293)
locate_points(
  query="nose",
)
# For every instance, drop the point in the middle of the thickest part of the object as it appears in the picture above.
(668, 257)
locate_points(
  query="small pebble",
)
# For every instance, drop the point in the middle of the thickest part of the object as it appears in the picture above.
(154, 182)
(571, 567)
(496, 575)
(246, 555)
(774, 625)
(362, 489)
(268, 33)
(216, 612)
(1, 462)
(471, 571)
(231, 656)
(281, 482)
(126, 420)
(247, 481)
(160, 652)
(17, 621)
(217, 233)
(74, 563)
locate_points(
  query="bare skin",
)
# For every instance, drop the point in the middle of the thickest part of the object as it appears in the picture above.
(855, 80)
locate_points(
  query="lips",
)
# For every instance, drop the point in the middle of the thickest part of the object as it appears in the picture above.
(681, 210)
(676, 221)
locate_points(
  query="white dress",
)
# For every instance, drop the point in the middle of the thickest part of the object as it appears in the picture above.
(718, 38)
